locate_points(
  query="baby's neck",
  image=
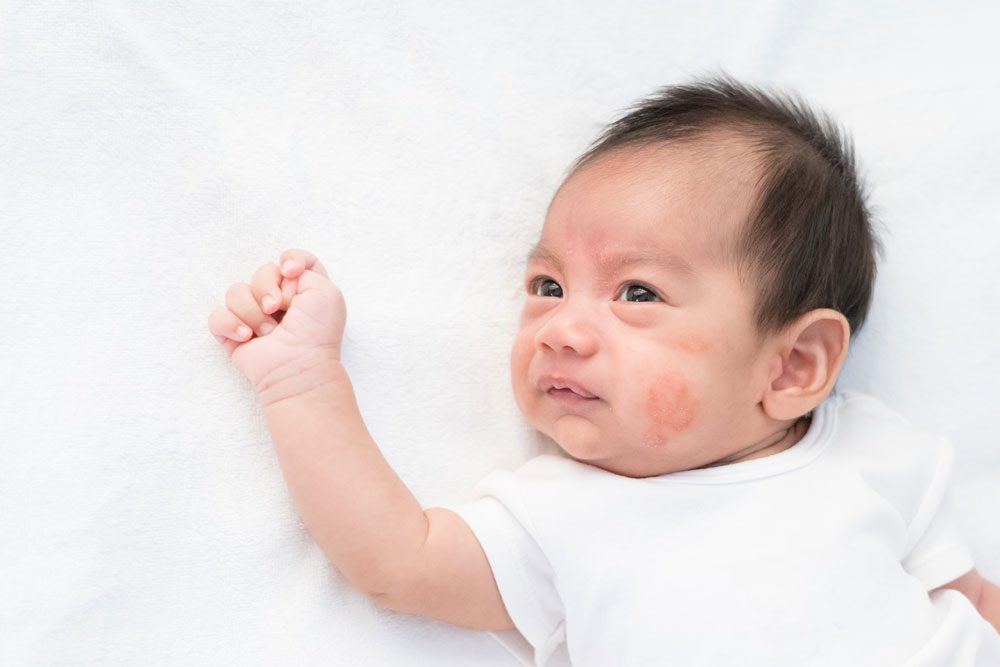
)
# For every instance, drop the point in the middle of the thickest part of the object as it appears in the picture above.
(773, 444)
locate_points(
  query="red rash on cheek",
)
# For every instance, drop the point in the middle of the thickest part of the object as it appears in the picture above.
(671, 408)
(692, 344)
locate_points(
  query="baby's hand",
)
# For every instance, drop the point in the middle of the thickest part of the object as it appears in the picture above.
(307, 324)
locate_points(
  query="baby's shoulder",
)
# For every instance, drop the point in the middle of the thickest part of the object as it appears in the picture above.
(900, 461)
(544, 471)
(865, 426)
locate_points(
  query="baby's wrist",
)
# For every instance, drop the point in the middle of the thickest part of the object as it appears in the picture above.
(305, 376)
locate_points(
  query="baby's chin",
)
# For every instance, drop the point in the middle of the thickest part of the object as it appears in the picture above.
(585, 442)
(616, 452)
(616, 455)
(575, 435)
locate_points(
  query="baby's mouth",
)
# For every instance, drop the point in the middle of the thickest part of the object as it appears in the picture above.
(564, 389)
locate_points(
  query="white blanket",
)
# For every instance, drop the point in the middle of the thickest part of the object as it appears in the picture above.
(151, 154)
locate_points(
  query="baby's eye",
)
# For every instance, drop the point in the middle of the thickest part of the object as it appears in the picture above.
(637, 293)
(545, 287)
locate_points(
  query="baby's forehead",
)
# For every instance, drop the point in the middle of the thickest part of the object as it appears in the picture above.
(722, 162)
(701, 189)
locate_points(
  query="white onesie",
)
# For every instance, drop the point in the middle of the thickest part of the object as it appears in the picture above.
(822, 554)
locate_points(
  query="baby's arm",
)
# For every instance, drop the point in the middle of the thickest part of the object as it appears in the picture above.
(367, 522)
(984, 594)
(365, 519)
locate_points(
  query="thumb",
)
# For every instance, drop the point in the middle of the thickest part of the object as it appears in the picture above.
(307, 281)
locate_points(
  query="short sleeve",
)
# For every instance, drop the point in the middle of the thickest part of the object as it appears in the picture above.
(938, 554)
(523, 574)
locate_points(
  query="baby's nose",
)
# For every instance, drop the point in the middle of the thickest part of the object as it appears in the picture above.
(568, 329)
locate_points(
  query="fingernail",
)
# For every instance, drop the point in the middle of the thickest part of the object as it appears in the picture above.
(269, 303)
(287, 266)
(243, 332)
(266, 328)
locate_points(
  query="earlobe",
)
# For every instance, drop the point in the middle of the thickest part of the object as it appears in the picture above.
(807, 364)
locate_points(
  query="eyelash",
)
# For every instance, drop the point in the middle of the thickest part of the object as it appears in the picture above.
(536, 283)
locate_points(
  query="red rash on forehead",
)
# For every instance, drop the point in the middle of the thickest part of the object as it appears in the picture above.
(596, 249)
(670, 406)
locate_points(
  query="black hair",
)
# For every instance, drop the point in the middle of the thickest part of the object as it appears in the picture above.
(808, 242)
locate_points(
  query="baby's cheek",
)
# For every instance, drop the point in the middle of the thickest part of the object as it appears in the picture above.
(520, 360)
(670, 407)
(692, 343)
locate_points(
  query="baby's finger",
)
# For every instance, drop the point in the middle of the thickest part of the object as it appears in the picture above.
(296, 260)
(226, 327)
(288, 289)
(266, 287)
(241, 301)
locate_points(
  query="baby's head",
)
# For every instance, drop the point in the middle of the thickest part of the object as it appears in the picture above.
(698, 278)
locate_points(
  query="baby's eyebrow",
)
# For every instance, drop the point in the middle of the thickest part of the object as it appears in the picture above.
(660, 258)
(612, 262)
(541, 253)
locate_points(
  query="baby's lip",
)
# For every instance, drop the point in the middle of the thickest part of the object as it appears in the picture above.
(551, 381)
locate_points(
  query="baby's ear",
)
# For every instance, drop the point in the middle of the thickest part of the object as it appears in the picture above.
(810, 354)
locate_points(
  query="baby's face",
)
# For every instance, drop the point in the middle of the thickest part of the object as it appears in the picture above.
(637, 350)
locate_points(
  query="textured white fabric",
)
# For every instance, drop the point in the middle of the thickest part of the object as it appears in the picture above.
(822, 554)
(153, 153)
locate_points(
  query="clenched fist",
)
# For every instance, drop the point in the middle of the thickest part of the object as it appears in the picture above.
(289, 317)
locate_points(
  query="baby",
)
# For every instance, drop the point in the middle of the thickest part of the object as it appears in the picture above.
(688, 309)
